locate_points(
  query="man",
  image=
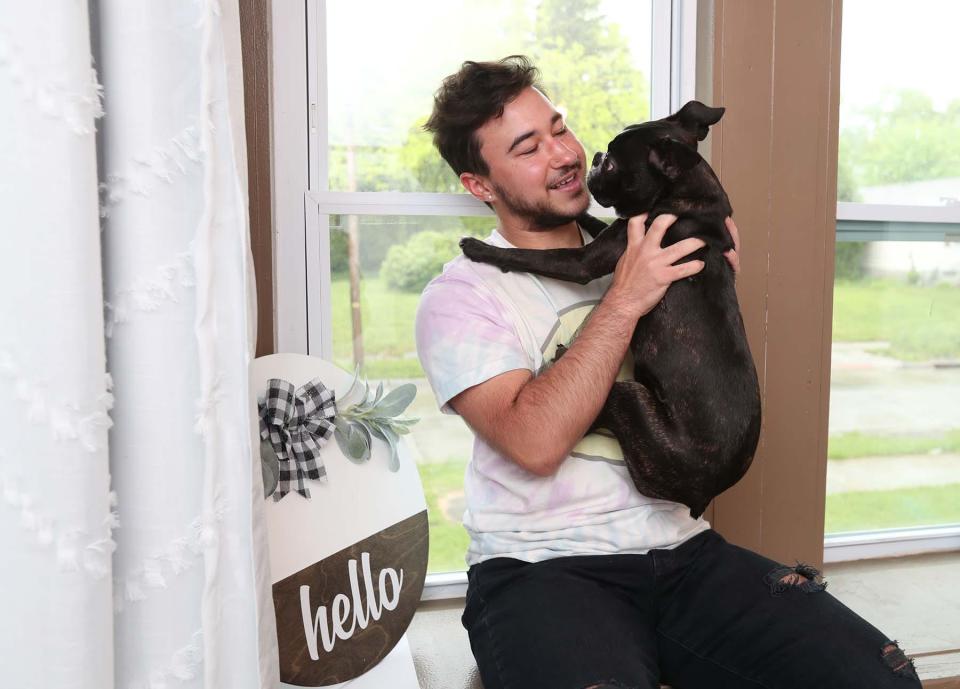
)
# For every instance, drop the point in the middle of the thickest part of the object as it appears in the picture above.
(576, 580)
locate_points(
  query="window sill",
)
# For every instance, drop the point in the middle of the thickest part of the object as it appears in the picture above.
(912, 599)
(448, 586)
(845, 547)
(889, 543)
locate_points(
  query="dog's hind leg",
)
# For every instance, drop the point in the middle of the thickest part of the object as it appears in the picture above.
(658, 455)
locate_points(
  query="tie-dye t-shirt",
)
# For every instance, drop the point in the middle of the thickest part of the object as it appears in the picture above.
(475, 322)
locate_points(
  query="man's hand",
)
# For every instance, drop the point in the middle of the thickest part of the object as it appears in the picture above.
(733, 255)
(646, 270)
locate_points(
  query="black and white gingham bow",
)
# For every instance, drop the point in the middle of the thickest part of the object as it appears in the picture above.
(297, 423)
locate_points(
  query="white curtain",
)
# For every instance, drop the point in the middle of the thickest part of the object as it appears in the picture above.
(132, 544)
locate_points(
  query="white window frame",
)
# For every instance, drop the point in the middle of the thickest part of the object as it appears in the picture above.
(882, 222)
(304, 202)
(878, 222)
(873, 222)
(886, 543)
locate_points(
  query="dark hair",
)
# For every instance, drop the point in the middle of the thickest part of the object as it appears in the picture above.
(469, 98)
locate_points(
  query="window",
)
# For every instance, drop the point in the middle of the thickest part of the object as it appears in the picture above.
(893, 478)
(376, 192)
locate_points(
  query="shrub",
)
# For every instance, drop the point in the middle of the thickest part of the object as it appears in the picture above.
(850, 260)
(339, 254)
(411, 265)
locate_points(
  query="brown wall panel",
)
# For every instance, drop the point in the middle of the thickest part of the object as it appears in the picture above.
(740, 154)
(800, 293)
(255, 44)
(776, 69)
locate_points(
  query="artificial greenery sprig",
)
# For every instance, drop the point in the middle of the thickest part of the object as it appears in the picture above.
(358, 423)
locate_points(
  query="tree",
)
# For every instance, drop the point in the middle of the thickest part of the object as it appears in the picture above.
(584, 63)
(585, 66)
(420, 157)
(846, 184)
(905, 140)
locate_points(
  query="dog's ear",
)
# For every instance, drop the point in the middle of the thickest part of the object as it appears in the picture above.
(672, 158)
(696, 118)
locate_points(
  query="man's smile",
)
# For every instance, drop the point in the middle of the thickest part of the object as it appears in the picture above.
(570, 181)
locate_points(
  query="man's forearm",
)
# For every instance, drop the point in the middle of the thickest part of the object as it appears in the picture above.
(550, 413)
(554, 410)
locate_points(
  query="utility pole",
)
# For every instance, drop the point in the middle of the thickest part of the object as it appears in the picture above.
(353, 261)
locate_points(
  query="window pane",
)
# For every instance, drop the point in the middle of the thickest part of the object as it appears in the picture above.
(899, 107)
(594, 58)
(393, 258)
(894, 446)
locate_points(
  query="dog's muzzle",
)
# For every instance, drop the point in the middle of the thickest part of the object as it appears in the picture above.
(603, 162)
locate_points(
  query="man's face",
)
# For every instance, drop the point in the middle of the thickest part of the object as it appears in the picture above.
(537, 166)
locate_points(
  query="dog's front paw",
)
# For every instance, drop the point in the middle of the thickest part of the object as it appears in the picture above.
(471, 247)
(479, 251)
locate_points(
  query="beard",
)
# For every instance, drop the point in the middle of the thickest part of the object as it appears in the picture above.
(542, 214)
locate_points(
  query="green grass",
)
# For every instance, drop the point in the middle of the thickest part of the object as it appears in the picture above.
(919, 322)
(387, 318)
(854, 511)
(856, 444)
(448, 539)
(885, 509)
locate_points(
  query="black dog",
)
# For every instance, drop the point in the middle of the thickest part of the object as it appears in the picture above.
(689, 422)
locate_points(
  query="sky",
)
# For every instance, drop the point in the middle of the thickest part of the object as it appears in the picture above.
(893, 44)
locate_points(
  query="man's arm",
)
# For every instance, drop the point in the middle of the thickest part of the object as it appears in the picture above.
(537, 421)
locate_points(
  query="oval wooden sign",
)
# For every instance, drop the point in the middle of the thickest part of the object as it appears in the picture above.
(348, 564)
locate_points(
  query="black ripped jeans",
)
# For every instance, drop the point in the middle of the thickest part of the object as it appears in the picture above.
(705, 615)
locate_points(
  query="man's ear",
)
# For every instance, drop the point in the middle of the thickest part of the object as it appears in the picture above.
(672, 158)
(696, 118)
(479, 187)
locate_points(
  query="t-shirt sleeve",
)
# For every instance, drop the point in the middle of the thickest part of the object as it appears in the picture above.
(464, 338)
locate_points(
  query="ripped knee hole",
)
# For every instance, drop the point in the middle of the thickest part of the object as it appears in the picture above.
(897, 660)
(802, 577)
